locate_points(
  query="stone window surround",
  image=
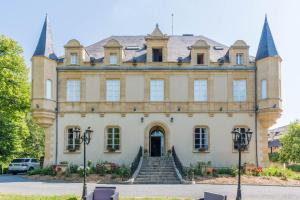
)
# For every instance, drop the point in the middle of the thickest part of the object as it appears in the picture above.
(208, 142)
(105, 139)
(66, 140)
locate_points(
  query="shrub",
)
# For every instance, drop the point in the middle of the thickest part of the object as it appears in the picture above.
(227, 171)
(73, 169)
(81, 170)
(42, 171)
(274, 157)
(100, 169)
(294, 167)
(278, 172)
(123, 172)
(90, 163)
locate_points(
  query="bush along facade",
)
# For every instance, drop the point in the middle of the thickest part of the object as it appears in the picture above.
(100, 168)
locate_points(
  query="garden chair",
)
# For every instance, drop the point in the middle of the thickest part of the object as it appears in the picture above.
(104, 193)
(212, 196)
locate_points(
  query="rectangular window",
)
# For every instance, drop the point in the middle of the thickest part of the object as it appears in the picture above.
(113, 139)
(201, 138)
(48, 89)
(73, 90)
(200, 59)
(74, 59)
(73, 144)
(239, 59)
(264, 89)
(113, 90)
(157, 90)
(157, 55)
(113, 59)
(239, 90)
(200, 90)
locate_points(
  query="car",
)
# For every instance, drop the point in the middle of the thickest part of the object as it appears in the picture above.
(21, 165)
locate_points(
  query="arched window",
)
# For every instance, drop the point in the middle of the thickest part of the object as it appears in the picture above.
(72, 142)
(48, 89)
(113, 138)
(201, 138)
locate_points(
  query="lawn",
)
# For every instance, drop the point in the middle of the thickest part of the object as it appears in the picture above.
(66, 197)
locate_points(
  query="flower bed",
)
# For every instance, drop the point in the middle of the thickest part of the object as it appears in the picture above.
(101, 172)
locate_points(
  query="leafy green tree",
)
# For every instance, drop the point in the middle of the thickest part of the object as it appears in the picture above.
(33, 144)
(290, 151)
(14, 99)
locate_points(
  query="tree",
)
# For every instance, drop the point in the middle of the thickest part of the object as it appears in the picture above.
(33, 144)
(14, 99)
(290, 151)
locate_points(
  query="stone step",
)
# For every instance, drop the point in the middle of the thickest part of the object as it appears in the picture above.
(157, 170)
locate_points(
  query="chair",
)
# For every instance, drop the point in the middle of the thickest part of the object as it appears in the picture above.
(104, 193)
(212, 196)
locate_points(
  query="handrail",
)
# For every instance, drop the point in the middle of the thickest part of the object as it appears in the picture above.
(177, 162)
(136, 161)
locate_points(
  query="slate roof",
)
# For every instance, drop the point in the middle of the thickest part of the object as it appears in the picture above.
(45, 44)
(178, 46)
(266, 47)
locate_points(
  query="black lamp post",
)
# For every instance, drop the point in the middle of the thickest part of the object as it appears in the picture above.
(85, 139)
(241, 139)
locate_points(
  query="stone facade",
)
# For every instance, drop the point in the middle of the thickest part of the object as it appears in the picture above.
(135, 115)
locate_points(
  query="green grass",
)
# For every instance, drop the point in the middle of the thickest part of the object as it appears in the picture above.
(37, 197)
(67, 197)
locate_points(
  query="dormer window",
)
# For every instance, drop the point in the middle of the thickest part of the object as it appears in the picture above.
(200, 59)
(239, 59)
(157, 55)
(113, 59)
(74, 59)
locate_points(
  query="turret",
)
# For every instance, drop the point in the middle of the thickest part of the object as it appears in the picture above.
(268, 80)
(44, 78)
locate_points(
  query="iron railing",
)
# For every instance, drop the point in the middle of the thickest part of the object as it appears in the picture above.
(177, 162)
(136, 161)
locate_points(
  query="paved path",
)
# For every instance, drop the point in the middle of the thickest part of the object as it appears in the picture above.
(19, 185)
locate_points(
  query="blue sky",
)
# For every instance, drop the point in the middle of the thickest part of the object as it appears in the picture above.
(224, 21)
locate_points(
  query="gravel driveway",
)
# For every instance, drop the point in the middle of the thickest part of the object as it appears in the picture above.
(20, 185)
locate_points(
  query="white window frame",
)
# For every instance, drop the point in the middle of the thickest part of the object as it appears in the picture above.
(74, 59)
(200, 90)
(264, 89)
(201, 139)
(48, 93)
(113, 143)
(113, 59)
(73, 90)
(113, 90)
(157, 90)
(240, 90)
(239, 58)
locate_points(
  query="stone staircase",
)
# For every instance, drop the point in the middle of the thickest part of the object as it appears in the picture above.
(157, 170)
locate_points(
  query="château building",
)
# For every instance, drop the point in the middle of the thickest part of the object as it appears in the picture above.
(156, 91)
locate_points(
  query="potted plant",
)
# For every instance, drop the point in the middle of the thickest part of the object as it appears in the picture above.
(202, 149)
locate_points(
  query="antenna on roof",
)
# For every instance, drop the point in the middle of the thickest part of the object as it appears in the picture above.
(172, 24)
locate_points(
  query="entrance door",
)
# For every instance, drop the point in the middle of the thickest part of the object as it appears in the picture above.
(156, 142)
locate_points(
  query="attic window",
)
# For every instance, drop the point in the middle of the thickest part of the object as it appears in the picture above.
(74, 59)
(132, 48)
(157, 55)
(200, 59)
(218, 48)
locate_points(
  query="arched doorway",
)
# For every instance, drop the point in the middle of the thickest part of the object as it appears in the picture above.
(156, 141)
